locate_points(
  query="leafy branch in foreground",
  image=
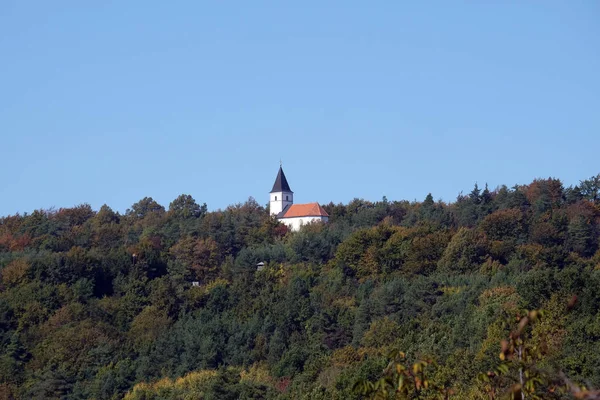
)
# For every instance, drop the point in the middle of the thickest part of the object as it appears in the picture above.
(521, 356)
(521, 373)
(401, 380)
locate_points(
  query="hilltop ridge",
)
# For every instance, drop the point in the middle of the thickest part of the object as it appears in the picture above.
(168, 303)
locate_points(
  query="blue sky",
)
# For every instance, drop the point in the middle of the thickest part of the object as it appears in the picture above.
(112, 101)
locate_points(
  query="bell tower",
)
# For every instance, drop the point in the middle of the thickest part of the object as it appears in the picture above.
(281, 195)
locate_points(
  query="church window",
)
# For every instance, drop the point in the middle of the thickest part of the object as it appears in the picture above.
(275, 198)
(286, 197)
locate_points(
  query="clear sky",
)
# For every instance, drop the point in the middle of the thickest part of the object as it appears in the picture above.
(112, 101)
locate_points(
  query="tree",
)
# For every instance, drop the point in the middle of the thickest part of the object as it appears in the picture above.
(581, 236)
(504, 224)
(465, 252)
(148, 325)
(76, 215)
(184, 207)
(143, 208)
(16, 272)
(106, 216)
(201, 256)
(468, 208)
(590, 189)
(12, 362)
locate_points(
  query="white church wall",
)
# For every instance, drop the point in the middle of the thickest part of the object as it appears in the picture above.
(295, 223)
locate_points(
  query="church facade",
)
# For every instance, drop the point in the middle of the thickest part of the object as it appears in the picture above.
(281, 204)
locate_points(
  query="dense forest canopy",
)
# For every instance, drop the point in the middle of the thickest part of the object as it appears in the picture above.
(163, 303)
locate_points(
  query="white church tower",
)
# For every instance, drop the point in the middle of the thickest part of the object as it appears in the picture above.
(281, 195)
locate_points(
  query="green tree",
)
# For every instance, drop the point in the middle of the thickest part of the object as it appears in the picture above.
(145, 207)
(590, 189)
(581, 236)
(184, 207)
(465, 252)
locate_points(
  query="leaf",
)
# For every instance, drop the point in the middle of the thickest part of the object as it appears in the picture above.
(401, 382)
(416, 368)
(502, 369)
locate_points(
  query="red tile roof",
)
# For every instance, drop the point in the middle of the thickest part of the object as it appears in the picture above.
(305, 210)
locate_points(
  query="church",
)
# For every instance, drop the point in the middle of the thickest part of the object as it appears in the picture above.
(293, 215)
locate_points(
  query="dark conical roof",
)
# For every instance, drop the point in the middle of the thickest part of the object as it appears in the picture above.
(281, 184)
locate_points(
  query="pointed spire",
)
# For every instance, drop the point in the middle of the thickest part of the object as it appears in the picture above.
(281, 183)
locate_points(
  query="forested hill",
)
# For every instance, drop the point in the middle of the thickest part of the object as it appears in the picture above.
(98, 305)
